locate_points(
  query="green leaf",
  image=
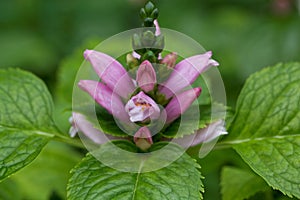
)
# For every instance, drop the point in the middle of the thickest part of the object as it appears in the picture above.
(93, 180)
(107, 123)
(265, 129)
(239, 184)
(48, 173)
(25, 119)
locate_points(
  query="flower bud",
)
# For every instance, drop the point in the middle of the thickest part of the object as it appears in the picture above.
(149, 7)
(159, 42)
(148, 38)
(136, 41)
(170, 60)
(146, 76)
(131, 61)
(150, 56)
(143, 138)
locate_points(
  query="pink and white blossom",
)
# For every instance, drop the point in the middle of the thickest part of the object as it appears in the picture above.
(141, 107)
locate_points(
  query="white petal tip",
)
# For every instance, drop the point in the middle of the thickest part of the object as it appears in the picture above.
(86, 53)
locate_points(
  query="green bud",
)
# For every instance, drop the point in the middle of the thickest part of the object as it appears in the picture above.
(148, 22)
(154, 14)
(143, 13)
(159, 42)
(150, 56)
(136, 41)
(131, 61)
(148, 38)
(149, 7)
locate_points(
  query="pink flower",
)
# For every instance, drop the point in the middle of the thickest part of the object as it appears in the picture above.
(141, 107)
(111, 72)
(105, 97)
(132, 101)
(83, 125)
(180, 103)
(186, 72)
(146, 76)
(207, 134)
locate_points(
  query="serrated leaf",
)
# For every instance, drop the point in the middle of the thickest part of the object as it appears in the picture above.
(265, 130)
(93, 180)
(239, 184)
(25, 119)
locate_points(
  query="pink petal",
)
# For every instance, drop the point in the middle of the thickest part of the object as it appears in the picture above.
(180, 103)
(186, 72)
(157, 28)
(87, 128)
(136, 55)
(146, 76)
(105, 97)
(207, 134)
(111, 72)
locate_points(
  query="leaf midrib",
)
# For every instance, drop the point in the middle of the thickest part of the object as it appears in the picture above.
(234, 142)
(137, 180)
(35, 131)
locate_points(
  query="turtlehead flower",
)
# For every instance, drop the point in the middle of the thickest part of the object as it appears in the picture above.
(141, 107)
(134, 102)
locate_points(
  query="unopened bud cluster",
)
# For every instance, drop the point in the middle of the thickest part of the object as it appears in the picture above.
(149, 43)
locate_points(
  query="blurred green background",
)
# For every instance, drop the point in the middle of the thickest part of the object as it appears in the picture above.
(244, 35)
(48, 37)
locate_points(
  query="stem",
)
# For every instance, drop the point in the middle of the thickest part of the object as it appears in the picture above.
(67, 140)
(222, 145)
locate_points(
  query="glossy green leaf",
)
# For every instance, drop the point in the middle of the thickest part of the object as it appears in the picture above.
(93, 180)
(48, 174)
(25, 119)
(266, 128)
